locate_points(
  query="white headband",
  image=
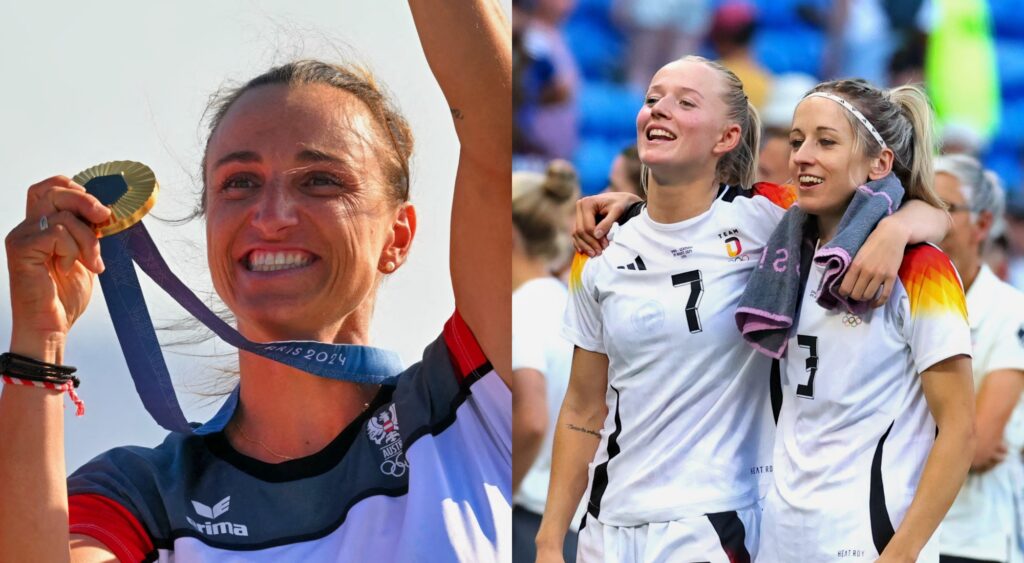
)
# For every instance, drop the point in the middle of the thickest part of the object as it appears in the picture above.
(856, 113)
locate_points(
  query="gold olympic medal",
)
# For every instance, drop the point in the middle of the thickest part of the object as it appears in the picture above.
(128, 188)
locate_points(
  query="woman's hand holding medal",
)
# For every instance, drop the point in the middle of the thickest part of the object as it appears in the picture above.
(52, 256)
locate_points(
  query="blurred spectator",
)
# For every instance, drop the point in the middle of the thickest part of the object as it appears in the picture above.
(542, 211)
(960, 138)
(624, 175)
(732, 30)
(777, 117)
(859, 41)
(660, 31)
(546, 80)
(773, 160)
(1015, 240)
(982, 524)
(998, 258)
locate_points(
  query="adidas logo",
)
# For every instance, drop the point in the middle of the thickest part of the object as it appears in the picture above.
(637, 264)
(212, 513)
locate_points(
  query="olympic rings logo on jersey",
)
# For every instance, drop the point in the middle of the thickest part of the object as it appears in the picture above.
(382, 429)
(394, 467)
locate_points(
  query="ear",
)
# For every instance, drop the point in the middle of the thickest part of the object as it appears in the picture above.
(403, 230)
(729, 140)
(982, 226)
(881, 165)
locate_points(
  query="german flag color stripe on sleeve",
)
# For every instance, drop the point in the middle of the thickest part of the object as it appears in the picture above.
(576, 272)
(779, 194)
(932, 283)
(462, 345)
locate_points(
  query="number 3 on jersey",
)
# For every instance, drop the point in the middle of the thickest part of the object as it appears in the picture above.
(806, 390)
(696, 283)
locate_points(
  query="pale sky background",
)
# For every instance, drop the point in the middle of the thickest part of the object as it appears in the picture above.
(90, 82)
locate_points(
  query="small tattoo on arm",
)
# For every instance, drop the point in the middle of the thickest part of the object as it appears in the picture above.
(584, 430)
(457, 113)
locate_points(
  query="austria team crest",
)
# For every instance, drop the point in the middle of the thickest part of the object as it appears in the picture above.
(383, 431)
(383, 427)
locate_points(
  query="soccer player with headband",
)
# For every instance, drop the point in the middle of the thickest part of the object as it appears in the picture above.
(666, 428)
(876, 414)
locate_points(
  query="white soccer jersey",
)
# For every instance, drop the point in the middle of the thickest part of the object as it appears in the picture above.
(854, 429)
(688, 412)
(984, 520)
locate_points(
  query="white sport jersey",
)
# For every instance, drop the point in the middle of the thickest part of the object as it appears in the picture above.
(985, 519)
(854, 429)
(688, 412)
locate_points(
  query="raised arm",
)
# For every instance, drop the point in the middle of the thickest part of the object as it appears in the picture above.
(51, 268)
(468, 45)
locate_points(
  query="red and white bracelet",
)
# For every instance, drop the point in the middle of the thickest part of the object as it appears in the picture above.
(68, 386)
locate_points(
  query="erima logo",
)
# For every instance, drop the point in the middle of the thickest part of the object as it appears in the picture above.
(214, 512)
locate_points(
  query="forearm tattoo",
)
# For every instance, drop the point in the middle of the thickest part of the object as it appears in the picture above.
(594, 433)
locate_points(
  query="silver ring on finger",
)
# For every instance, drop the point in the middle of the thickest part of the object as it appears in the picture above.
(43, 223)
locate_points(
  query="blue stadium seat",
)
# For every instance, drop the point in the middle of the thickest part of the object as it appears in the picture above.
(594, 8)
(593, 159)
(797, 49)
(1006, 18)
(1007, 164)
(1010, 62)
(608, 110)
(1010, 133)
(783, 13)
(599, 48)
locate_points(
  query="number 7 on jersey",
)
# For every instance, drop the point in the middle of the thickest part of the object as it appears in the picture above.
(696, 283)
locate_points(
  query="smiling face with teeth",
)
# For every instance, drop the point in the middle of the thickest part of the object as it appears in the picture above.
(825, 162)
(682, 120)
(300, 221)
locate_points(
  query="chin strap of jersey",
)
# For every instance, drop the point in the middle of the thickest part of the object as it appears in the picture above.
(137, 336)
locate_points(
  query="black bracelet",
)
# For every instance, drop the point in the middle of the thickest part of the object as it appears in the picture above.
(23, 367)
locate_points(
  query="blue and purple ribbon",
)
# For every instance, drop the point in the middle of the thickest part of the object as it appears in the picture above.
(137, 336)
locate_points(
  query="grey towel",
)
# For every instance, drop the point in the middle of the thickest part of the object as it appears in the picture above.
(771, 299)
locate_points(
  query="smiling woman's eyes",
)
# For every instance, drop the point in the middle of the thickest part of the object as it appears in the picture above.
(239, 183)
(795, 143)
(323, 183)
(322, 180)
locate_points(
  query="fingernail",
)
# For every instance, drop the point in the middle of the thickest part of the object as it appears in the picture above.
(590, 253)
(598, 233)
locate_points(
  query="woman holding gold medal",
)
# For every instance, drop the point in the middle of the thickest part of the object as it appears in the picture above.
(306, 206)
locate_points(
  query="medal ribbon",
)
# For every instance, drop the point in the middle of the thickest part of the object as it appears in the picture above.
(137, 336)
